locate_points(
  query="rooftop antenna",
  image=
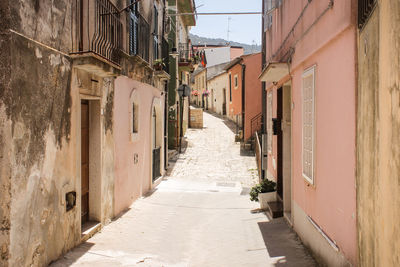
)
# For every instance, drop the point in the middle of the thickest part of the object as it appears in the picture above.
(229, 22)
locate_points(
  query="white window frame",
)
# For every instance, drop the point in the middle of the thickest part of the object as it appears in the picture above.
(309, 177)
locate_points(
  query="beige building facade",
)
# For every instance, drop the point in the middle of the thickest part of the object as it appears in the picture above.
(218, 85)
(63, 79)
(378, 139)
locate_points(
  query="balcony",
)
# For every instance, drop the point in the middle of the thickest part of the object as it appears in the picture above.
(98, 34)
(185, 55)
(142, 39)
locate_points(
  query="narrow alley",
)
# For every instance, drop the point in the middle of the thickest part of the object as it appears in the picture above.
(200, 215)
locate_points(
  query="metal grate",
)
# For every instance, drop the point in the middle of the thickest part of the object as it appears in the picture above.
(156, 163)
(365, 8)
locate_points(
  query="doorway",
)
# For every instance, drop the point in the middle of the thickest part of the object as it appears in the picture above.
(84, 161)
(284, 141)
(287, 149)
(279, 115)
(90, 161)
(224, 102)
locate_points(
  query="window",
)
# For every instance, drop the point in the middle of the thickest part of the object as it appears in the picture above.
(308, 124)
(269, 121)
(267, 17)
(155, 33)
(230, 87)
(236, 81)
(133, 28)
(134, 116)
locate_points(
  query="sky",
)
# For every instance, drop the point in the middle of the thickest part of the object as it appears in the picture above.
(243, 28)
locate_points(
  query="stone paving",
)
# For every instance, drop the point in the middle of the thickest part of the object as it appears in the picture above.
(212, 155)
(198, 216)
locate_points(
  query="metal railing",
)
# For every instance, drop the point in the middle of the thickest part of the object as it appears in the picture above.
(256, 122)
(99, 29)
(143, 40)
(365, 8)
(165, 54)
(185, 52)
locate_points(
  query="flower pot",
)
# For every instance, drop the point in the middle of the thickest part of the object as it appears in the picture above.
(264, 198)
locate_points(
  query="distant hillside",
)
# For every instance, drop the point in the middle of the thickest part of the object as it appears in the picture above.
(248, 49)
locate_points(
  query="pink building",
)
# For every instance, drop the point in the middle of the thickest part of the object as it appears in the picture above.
(139, 110)
(309, 72)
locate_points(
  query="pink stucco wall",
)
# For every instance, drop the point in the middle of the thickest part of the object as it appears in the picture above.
(330, 46)
(132, 180)
(236, 52)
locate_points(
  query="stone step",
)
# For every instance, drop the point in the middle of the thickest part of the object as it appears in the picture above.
(276, 209)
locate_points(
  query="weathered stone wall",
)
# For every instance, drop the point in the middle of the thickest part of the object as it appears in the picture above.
(48, 22)
(38, 107)
(39, 134)
(5, 132)
(378, 138)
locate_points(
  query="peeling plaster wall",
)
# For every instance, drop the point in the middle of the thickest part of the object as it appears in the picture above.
(48, 22)
(378, 138)
(40, 115)
(40, 134)
(5, 135)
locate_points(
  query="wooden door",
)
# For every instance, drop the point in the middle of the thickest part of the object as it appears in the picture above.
(85, 161)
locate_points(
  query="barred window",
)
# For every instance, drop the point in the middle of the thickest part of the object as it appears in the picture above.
(308, 88)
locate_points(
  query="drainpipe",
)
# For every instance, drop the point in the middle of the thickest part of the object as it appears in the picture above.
(264, 154)
(243, 97)
(166, 125)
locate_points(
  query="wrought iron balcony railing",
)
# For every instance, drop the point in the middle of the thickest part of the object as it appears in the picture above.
(185, 52)
(143, 39)
(99, 29)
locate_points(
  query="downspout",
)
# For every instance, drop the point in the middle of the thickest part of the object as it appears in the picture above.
(263, 99)
(165, 98)
(243, 98)
(166, 125)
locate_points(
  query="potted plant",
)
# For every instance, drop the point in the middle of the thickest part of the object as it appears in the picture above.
(158, 64)
(264, 192)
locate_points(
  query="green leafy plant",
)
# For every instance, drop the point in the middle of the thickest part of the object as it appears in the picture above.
(158, 63)
(264, 187)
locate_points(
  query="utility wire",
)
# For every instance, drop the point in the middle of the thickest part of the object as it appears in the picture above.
(217, 13)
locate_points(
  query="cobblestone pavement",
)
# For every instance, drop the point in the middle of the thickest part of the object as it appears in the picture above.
(198, 216)
(212, 155)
